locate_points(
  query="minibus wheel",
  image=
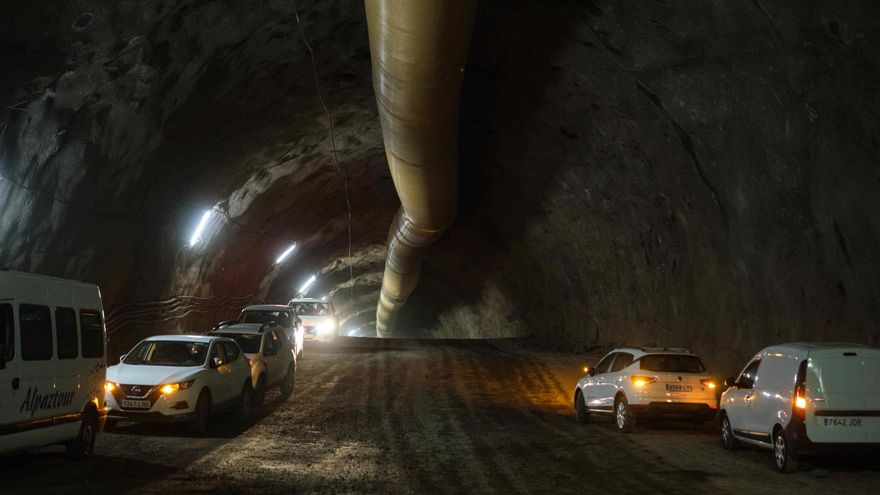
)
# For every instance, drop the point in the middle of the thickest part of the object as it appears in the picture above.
(84, 444)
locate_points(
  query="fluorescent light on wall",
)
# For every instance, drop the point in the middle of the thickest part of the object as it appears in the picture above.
(309, 282)
(200, 229)
(285, 254)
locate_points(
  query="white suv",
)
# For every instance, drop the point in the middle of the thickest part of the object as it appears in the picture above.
(179, 378)
(320, 318)
(273, 362)
(637, 382)
(805, 398)
(278, 315)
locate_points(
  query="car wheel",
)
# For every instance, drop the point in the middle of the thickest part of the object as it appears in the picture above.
(84, 444)
(623, 419)
(260, 391)
(784, 452)
(728, 441)
(243, 408)
(581, 413)
(288, 383)
(199, 423)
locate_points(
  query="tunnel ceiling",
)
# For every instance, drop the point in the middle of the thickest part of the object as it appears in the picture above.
(637, 172)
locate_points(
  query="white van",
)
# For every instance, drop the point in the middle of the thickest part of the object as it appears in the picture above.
(52, 364)
(805, 398)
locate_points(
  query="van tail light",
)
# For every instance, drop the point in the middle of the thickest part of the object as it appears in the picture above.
(641, 381)
(799, 401)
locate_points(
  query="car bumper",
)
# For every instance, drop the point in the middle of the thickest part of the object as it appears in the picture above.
(674, 410)
(798, 430)
(175, 408)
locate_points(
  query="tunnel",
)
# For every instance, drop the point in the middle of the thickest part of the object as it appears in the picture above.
(549, 180)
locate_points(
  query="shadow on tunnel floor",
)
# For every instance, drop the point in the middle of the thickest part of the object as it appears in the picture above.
(222, 425)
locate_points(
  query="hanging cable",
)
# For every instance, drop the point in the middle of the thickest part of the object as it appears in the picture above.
(331, 129)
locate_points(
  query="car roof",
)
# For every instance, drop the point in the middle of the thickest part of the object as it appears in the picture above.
(267, 307)
(643, 351)
(819, 345)
(183, 338)
(253, 328)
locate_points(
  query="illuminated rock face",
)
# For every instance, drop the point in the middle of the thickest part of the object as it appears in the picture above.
(647, 173)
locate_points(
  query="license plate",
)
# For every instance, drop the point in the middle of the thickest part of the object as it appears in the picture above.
(136, 404)
(842, 422)
(679, 388)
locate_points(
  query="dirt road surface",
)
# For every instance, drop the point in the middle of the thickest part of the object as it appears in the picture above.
(430, 417)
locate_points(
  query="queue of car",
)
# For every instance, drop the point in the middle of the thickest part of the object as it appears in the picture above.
(793, 399)
(55, 386)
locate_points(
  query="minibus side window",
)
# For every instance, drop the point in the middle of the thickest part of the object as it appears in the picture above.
(36, 332)
(65, 331)
(7, 332)
(92, 330)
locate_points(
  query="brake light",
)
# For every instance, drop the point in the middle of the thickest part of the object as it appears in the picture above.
(800, 392)
(708, 383)
(641, 381)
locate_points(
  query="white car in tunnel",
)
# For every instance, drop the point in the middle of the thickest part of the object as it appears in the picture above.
(320, 318)
(639, 382)
(805, 398)
(273, 361)
(179, 378)
(279, 315)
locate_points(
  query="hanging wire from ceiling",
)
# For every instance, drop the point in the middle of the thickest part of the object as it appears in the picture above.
(331, 129)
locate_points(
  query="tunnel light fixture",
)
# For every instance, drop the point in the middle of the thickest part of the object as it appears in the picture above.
(305, 286)
(200, 228)
(285, 254)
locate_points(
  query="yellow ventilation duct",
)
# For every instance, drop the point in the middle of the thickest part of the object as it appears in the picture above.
(419, 49)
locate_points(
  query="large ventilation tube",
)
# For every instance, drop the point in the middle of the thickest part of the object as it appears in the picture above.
(419, 49)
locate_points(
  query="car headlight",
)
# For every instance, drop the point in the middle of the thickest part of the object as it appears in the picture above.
(110, 386)
(327, 326)
(170, 388)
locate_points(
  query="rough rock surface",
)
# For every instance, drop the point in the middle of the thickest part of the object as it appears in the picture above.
(646, 172)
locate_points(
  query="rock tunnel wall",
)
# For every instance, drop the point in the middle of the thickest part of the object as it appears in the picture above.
(639, 172)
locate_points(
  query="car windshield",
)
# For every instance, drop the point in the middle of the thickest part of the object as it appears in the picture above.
(672, 363)
(249, 343)
(263, 316)
(311, 308)
(168, 353)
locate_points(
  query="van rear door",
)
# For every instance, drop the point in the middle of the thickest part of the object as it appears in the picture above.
(843, 395)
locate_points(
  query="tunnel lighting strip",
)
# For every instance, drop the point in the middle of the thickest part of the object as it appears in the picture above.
(309, 282)
(285, 254)
(200, 229)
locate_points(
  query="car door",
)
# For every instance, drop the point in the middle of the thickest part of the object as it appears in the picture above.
(271, 349)
(595, 390)
(739, 398)
(239, 367)
(219, 375)
(615, 377)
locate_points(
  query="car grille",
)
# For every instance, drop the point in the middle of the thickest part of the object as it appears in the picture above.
(136, 390)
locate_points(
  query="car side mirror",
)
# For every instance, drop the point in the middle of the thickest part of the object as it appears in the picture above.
(730, 382)
(215, 362)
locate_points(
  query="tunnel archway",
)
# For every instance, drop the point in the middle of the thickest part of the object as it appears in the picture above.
(632, 175)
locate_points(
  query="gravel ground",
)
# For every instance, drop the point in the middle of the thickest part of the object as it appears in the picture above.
(429, 417)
